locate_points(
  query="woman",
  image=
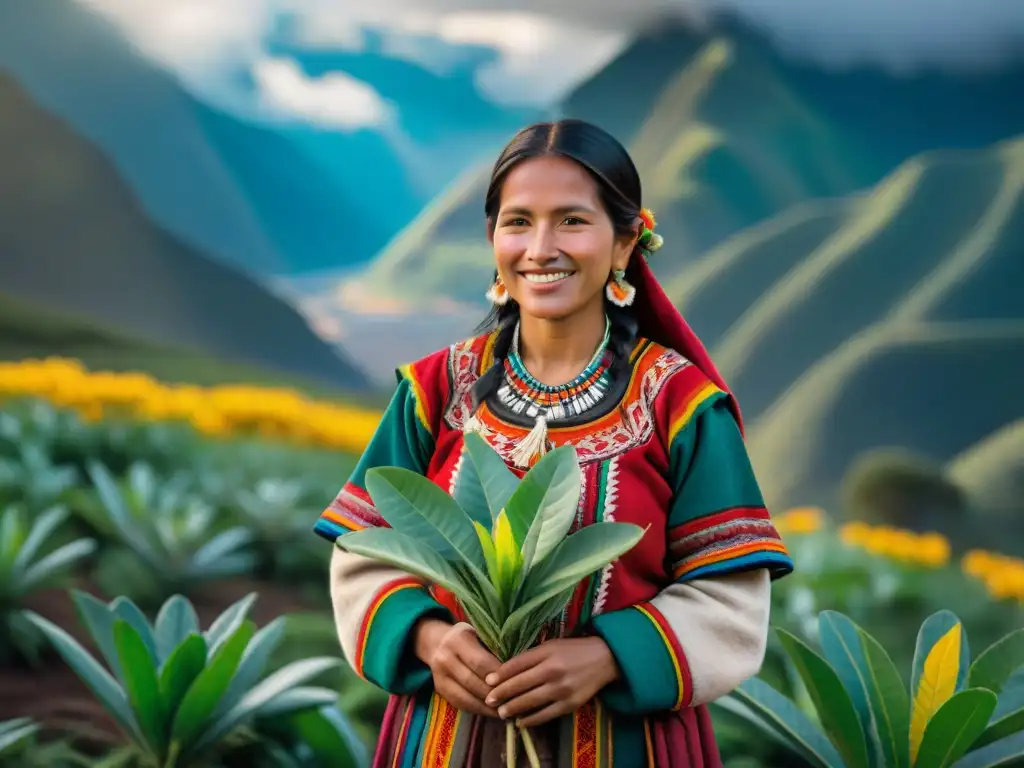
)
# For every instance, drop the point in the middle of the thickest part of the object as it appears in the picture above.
(583, 338)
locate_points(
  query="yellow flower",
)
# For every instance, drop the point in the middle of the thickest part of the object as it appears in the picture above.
(933, 550)
(854, 534)
(801, 520)
(930, 550)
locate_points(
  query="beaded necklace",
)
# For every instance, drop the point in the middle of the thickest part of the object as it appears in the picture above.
(522, 393)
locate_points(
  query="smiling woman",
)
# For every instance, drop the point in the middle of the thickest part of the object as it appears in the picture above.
(582, 348)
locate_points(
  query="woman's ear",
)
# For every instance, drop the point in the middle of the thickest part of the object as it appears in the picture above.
(625, 245)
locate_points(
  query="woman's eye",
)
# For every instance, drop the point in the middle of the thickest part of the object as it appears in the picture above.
(572, 220)
(516, 223)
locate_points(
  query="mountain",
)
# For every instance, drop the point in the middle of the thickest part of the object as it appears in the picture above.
(890, 318)
(73, 237)
(272, 198)
(726, 132)
(81, 70)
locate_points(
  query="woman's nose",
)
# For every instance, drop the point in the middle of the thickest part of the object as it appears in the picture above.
(543, 244)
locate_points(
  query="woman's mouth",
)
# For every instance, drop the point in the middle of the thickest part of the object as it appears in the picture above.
(546, 277)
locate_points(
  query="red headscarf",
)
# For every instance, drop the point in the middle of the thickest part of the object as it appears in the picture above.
(661, 322)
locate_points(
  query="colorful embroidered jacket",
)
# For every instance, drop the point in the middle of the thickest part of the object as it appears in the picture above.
(684, 613)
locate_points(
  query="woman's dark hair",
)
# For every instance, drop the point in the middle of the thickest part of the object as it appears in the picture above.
(618, 184)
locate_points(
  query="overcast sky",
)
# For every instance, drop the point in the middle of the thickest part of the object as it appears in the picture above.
(544, 50)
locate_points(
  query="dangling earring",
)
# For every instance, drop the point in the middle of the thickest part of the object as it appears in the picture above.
(618, 289)
(497, 294)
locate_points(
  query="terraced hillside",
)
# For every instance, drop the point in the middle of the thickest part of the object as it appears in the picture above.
(872, 321)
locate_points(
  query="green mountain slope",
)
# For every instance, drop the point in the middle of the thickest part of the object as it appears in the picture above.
(933, 388)
(889, 318)
(74, 238)
(795, 296)
(720, 142)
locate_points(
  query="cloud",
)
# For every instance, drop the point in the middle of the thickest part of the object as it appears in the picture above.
(543, 49)
(335, 100)
(900, 35)
(209, 43)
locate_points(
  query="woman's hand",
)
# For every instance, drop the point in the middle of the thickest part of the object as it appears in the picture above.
(458, 662)
(556, 678)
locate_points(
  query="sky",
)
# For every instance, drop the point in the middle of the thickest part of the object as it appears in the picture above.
(544, 50)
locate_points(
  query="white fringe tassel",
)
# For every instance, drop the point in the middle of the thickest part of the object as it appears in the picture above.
(534, 444)
(473, 424)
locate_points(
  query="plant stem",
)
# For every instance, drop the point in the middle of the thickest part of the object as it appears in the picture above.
(530, 747)
(511, 760)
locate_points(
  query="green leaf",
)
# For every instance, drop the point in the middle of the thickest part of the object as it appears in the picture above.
(833, 703)
(14, 731)
(526, 634)
(1005, 753)
(225, 625)
(955, 727)
(125, 609)
(777, 713)
(117, 512)
(1003, 724)
(44, 525)
(996, 663)
(286, 678)
(330, 737)
(253, 664)
(142, 686)
(550, 490)
(95, 677)
(10, 536)
(418, 507)
(296, 700)
(181, 668)
(484, 482)
(204, 694)
(221, 547)
(176, 621)
(394, 548)
(98, 618)
(890, 703)
(577, 556)
(842, 648)
(53, 564)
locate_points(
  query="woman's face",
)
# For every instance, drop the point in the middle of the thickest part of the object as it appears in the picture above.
(553, 240)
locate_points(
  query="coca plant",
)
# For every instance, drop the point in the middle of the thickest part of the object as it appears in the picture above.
(501, 545)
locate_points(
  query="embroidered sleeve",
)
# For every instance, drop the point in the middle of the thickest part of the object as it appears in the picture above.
(376, 606)
(403, 439)
(706, 632)
(717, 522)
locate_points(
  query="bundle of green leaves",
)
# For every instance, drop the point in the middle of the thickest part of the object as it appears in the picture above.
(500, 544)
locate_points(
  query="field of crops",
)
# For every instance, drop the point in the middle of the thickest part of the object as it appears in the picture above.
(163, 601)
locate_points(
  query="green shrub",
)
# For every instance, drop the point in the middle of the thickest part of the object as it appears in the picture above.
(180, 694)
(905, 490)
(856, 711)
(26, 566)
